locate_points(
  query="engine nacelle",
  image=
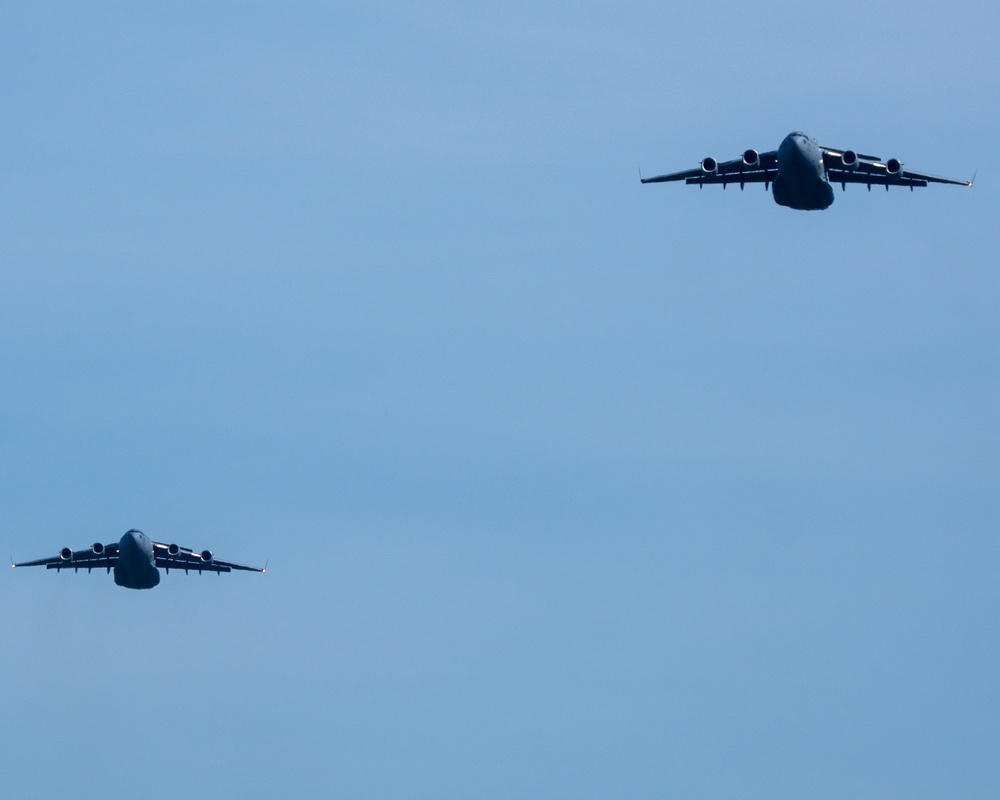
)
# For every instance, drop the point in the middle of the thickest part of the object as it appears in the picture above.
(97, 549)
(893, 166)
(65, 554)
(751, 158)
(206, 555)
(709, 166)
(173, 549)
(849, 159)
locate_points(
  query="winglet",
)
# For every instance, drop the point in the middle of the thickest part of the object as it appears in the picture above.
(12, 564)
(640, 174)
(265, 565)
(973, 177)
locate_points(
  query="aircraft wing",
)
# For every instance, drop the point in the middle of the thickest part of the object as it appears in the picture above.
(92, 558)
(170, 556)
(726, 172)
(871, 170)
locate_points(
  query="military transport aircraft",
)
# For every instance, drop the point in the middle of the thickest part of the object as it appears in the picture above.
(135, 559)
(802, 170)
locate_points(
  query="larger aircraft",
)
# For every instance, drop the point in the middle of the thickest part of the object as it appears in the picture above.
(135, 558)
(801, 171)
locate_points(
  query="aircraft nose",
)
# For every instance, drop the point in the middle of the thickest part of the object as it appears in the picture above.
(130, 537)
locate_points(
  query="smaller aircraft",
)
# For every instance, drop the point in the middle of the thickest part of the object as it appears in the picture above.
(135, 558)
(801, 171)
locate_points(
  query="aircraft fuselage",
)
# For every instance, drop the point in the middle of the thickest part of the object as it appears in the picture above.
(136, 565)
(801, 180)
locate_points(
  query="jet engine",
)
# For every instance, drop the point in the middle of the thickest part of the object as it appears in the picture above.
(751, 158)
(709, 165)
(173, 549)
(206, 555)
(849, 159)
(97, 549)
(65, 554)
(893, 166)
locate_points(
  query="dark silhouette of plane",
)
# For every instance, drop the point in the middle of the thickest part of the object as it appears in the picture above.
(801, 171)
(135, 558)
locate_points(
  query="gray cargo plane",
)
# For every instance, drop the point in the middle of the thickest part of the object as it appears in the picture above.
(801, 171)
(135, 559)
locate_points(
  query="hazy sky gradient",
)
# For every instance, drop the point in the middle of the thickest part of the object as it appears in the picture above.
(570, 487)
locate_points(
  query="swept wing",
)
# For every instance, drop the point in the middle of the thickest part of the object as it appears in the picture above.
(748, 169)
(94, 557)
(845, 166)
(171, 556)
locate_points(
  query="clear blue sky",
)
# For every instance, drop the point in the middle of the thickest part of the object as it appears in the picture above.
(571, 487)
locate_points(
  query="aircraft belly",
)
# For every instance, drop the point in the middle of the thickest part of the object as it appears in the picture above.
(809, 195)
(136, 575)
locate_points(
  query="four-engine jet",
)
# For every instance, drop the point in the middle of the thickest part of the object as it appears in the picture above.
(801, 171)
(135, 559)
